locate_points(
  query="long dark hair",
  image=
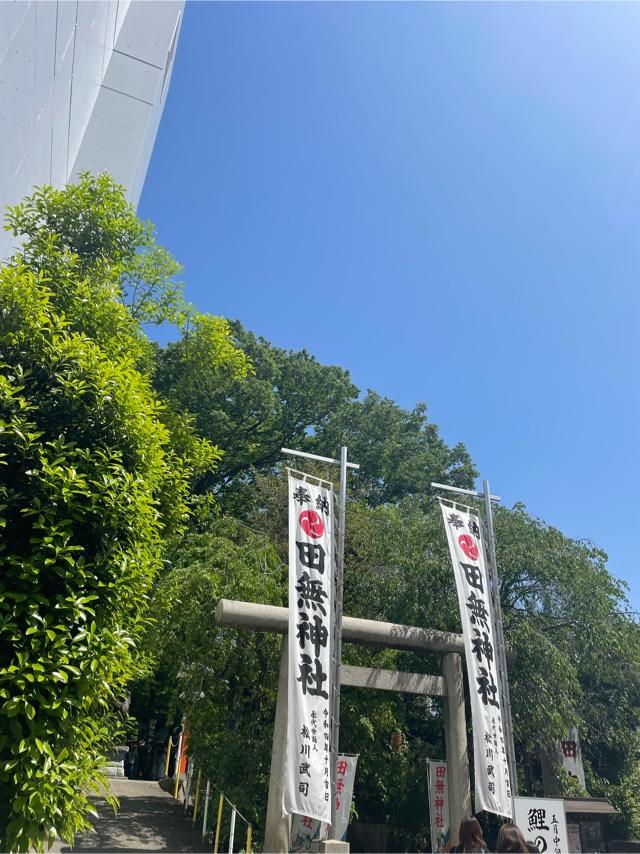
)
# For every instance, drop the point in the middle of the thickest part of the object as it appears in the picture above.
(470, 835)
(510, 838)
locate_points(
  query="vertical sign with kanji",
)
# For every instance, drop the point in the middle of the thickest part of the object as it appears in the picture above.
(543, 822)
(572, 756)
(439, 805)
(493, 786)
(308, 780)
(345, 778)
(306, 830)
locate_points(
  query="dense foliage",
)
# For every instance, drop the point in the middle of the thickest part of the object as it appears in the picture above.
(577, 649)
(133, 474)
(93, 484)
(577, 656)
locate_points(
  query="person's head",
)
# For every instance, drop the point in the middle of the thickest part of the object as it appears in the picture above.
(510, 838)
(470, 835)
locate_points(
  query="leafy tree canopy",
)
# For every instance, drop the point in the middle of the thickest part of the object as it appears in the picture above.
(93, 482)
(576, 652)
(400, 452)
(292, 400)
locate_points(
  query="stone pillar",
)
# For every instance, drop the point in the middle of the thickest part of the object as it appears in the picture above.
(276, 834)
(549, 764)
(115, 761)
(455, 728)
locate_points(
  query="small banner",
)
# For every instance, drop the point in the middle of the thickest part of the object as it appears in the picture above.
(493, 787)
(345, 778)
(572, 756)
(439, 804)
(307, 789)
(543, 822)
(305, 830)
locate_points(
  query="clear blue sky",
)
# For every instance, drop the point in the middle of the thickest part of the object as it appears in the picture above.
(443, 198)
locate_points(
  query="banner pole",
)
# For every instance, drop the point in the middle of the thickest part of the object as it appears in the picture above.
(218, 823)
(206, 810)
(176, 772)
(187, 792)
(502, 657)
(232, 829)
(168, 759)
(337, 659)
(197, 798)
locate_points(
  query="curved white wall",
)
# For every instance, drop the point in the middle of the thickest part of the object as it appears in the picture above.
(82, 86)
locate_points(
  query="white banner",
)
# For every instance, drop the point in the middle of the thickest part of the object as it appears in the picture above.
(305, 830)
(439, 804)
(572, 756)
(307, 780)
(542, 821)
(345, 778)
(493, 787)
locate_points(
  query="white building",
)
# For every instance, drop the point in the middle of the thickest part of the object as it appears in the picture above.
(82, 86)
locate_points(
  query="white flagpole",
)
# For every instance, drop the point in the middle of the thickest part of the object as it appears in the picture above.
(335, 740)
(232, 829)
(502, 657)
(206, 809)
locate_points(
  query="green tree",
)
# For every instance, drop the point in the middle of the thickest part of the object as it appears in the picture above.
(578, 653)
(400, 452)
(93, 481)
(292, 400)
(224, 681)
(288, 395)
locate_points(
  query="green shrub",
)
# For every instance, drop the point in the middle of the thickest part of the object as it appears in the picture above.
(92, 484)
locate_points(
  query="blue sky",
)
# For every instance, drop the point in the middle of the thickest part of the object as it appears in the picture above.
(442, 198)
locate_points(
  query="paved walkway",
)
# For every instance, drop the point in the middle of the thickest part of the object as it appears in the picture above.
(148, 820)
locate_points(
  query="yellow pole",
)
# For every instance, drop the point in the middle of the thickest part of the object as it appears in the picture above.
(195, 805)
(247, 847)
(177, 785)
(166, 764)
(219, 824)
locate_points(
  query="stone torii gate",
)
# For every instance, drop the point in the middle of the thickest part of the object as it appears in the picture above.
(269, 618)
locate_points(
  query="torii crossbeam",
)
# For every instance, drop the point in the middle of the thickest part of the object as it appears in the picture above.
(269, 618)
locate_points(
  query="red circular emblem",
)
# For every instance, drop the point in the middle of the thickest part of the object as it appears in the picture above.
(468, 546)
(311, 523)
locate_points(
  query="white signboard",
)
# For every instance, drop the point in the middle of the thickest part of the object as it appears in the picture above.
(305, 830)
(572, 756)
(439, 804)
(493, 787)
(307, 780)
(542, 821)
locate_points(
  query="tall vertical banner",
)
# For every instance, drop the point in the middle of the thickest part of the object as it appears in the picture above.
(307, 789)
(439, 804)
(493, 786)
